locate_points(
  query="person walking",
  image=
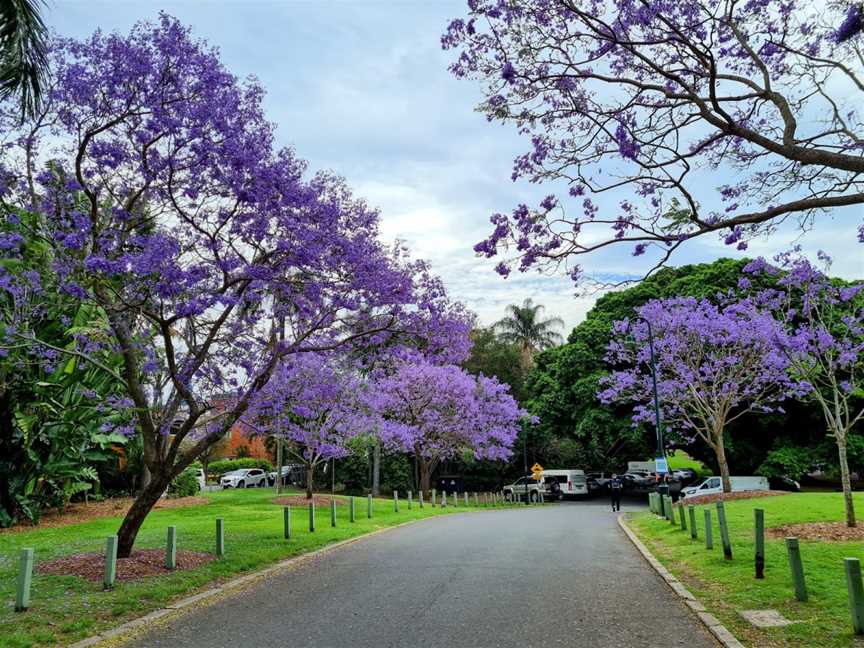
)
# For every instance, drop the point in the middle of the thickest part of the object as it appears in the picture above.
(615, 488)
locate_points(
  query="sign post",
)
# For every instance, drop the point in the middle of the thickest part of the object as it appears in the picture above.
(536, 475)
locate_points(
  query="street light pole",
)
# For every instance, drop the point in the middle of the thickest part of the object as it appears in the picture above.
(662, 488)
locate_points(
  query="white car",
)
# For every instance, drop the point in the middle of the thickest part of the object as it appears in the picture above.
(713, 485)
(202, 480)
(244, 478)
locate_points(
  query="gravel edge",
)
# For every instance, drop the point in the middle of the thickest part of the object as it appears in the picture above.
(720, 632)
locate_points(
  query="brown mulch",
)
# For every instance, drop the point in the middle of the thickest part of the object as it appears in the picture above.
(301, 500)
(142, 563)
(830, 531)
(85, 511)
(709, 499)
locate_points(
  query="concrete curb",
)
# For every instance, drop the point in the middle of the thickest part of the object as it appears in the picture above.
(720, 632)
(129, 629)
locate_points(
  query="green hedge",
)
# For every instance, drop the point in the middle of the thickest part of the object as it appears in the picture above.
(219, 468)
(184, 484)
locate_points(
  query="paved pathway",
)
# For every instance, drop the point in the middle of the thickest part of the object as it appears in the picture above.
(541, 577)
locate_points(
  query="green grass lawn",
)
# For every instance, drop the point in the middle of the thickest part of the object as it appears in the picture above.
(65, 609)
(727, 587)
(679, 459)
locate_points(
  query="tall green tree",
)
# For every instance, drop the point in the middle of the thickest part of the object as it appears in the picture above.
(523, 326)
(492, 356)
(23, 53)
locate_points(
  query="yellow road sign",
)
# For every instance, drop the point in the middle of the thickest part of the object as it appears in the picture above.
(536, 468)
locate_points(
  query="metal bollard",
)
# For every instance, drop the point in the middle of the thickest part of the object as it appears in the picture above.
(332, 512)
(110, 575)
(759, 541)
(312, 516)
(171, 548)
(709, 539)
(395, 501)
(856, 593)
(691, 510)
(724, 531)
(286, 521)
(25, 578)
(796, 568)
(220, 537)
(369, 507)
(353, 509)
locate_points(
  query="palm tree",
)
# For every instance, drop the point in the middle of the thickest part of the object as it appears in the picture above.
(524, 328)
(23, 53)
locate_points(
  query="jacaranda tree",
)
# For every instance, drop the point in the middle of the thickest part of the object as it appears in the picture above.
(647, 103)
(316, 403)
(823, 340)
(213, 255)
(714, 364)
(438, 412)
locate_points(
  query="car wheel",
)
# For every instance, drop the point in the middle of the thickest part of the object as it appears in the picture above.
(241, 485)
(534, 496)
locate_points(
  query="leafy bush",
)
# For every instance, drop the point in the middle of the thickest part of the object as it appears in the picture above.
(219, 468)
(184, 484)
(793, 461)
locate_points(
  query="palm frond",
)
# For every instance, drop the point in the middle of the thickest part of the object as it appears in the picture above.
(23, 53)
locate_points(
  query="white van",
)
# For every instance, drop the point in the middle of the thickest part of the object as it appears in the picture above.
(572, 482)
(713, 485)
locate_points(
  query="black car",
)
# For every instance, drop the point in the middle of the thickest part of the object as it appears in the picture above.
(784, 483)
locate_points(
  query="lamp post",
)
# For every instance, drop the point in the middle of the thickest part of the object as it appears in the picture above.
(662, 488)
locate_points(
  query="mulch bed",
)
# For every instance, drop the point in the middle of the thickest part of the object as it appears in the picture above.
(85, 511)
(142, 563)
(830, 531)
(301, 500)
(709, 499)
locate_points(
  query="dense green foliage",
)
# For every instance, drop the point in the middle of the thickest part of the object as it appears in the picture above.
(492, 356)
(57, 428)
(184, 484)
(562, 388)
(222, 466)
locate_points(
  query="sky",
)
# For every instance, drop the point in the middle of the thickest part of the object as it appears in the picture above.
(361, 87)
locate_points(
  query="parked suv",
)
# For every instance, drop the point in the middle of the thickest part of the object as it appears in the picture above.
(516, 491)
(244, 478)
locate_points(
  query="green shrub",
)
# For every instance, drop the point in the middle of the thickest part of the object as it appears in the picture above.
(184, 484)
(219, 468)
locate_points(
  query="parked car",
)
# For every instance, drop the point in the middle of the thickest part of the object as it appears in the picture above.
(713, 485)
(573, 483)
(244, 478)
(597, 481)
(291, 474)
(686, 476)
(784, 483)
(524, 485)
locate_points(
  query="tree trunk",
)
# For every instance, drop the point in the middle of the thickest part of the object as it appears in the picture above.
(425, 476)
(144, 479)
(846, 481)
(138, 512)
(720, 450)
(376, 470)
(310, 476)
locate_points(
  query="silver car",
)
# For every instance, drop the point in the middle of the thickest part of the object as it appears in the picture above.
(244, 478)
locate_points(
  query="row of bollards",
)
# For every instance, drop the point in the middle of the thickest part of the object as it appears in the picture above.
(25, 572)
(662, 506)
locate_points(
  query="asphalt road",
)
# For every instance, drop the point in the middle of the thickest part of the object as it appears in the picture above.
(562, 575)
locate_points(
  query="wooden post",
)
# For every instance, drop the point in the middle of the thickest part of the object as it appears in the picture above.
(171, 548)
(110, 562)
(444, 499)
(220, 537)
(434, 498)
(796, 568)
(466, 499)
(724, 531)
(856, 593)
(420, 497)
(353, 509)
(476, 500)
(395, 501)
(332, 511)
(691, 511)
(672, 519)
(682, 514)
(709, 538)
(759, 541)
(25, 578)
(311, 516)
(670, 512)
(369, 507)
(286, 521)
(410, 500)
